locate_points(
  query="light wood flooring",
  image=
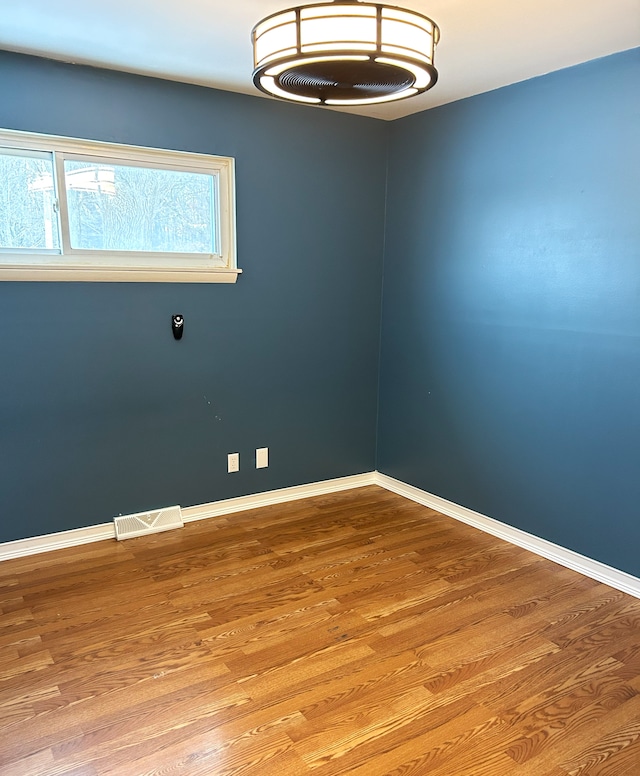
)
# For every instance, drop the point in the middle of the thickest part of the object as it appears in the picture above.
(355, 633)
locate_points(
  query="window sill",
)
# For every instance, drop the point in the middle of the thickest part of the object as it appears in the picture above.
(118, 274)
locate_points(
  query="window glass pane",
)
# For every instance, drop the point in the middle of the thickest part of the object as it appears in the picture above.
(123, 208)
(27, 202)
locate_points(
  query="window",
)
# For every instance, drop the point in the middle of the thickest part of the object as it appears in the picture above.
(78, 210)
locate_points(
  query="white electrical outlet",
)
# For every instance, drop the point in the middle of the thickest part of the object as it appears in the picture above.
(262, 457)
(233, 462)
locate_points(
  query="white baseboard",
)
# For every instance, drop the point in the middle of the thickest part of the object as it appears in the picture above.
(619, 580)
(573, 560)
(95, 533)
(255, 500)
(56, 541)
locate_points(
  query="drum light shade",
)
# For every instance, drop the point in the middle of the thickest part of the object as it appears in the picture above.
(345, 53)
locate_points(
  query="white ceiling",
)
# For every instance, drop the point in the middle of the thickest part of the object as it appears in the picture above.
(485, 43)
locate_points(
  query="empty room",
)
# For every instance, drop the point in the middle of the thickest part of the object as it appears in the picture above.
(320, 388)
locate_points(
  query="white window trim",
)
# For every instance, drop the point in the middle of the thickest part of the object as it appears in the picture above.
(125, 266)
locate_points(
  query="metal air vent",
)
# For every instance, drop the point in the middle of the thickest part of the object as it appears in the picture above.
(142, 523)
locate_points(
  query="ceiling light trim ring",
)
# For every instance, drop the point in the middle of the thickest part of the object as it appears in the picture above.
(296, 59)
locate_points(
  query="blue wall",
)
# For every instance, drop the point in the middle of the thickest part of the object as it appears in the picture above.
(510, 368)
(510, 351)
(101, 411)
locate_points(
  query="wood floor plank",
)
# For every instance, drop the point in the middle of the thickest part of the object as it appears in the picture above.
(356, 632)
(572, 750)
(616, 754)
(416, 750)
(28, 766)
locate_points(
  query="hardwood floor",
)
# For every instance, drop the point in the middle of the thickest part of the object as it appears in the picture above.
(355, 633)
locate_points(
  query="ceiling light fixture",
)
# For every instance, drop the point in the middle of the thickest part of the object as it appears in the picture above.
(345, 53)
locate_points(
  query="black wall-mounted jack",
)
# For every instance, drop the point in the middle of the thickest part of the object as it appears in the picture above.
(177, 325)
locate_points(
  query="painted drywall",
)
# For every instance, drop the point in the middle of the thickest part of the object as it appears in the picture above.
(510, 367)
(102, 412)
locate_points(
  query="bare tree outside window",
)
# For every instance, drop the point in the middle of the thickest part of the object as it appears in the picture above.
(28, 219)
(125, 208)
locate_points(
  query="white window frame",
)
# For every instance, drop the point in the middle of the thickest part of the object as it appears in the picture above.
(77, 265)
